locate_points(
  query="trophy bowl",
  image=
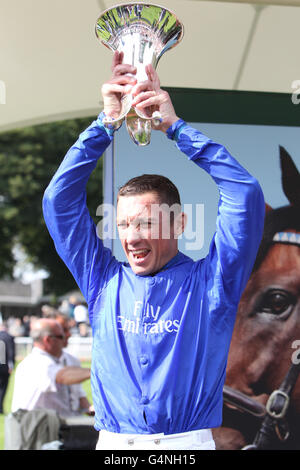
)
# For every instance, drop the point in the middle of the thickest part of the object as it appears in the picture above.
(143, 32)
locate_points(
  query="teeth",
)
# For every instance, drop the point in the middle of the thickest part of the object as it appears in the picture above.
(139, 253)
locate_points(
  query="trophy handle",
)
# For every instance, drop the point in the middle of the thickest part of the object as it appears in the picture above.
(138, 125)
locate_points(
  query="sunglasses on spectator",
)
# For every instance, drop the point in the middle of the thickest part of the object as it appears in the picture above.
(57, 336)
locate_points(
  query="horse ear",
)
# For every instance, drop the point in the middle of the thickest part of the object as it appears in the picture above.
(290, 177)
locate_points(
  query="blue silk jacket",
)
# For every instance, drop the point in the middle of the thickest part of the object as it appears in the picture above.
(160, 343)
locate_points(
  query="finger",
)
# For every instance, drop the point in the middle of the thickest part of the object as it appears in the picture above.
(117, 59)
(153, 76)
(123, 80)
(111, 88)
(142, 86)
(121, 57)
(122, 69)
(155, 100)
(143, 96)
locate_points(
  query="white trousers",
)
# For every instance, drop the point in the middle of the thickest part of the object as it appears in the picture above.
(192, 440)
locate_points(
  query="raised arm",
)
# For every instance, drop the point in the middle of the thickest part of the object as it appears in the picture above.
(64, 204)
(241, 209)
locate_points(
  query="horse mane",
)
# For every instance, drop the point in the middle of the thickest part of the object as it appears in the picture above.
(286, 217)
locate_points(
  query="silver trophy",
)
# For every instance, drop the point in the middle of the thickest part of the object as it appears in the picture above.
(143, 32)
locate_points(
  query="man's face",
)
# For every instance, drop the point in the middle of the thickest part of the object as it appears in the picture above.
(146, 232)
(66, 330)
(56, 341)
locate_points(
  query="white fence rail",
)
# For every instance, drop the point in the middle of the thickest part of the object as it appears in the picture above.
(78, 346)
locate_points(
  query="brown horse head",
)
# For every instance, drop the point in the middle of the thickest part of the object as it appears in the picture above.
(267, 328)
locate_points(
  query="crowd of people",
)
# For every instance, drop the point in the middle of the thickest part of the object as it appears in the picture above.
(73, 309)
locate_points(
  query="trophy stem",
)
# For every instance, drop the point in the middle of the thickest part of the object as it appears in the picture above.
(138, 128)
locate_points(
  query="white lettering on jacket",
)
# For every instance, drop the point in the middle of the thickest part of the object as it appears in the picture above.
(135, 325)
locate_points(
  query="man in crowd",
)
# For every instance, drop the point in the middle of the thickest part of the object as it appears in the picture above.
(162, 323)
(7, 361)
(42, 380)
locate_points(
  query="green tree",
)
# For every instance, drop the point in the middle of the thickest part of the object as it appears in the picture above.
(28, 159)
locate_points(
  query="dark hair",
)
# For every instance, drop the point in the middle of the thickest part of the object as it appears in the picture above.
(165, 189)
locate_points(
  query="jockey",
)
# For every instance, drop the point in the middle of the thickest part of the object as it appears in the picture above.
(162, 323)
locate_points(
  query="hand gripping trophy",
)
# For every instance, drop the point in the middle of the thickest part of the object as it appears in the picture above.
(143, 32)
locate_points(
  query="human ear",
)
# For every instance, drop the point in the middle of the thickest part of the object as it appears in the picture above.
(180, 224)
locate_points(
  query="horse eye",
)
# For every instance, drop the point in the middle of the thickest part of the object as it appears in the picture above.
(277, 302)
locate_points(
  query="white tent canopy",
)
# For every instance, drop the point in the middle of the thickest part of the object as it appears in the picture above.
(52, 65)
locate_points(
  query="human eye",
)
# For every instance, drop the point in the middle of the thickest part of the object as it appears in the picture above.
(145, 224)
(122, 225)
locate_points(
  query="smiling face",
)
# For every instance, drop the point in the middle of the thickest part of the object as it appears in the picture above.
(146, 231)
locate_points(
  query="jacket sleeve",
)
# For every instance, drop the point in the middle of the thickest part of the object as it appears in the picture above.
(66, 215)
(241, 211)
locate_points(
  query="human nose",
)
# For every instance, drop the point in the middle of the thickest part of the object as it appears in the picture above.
(133, 234)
